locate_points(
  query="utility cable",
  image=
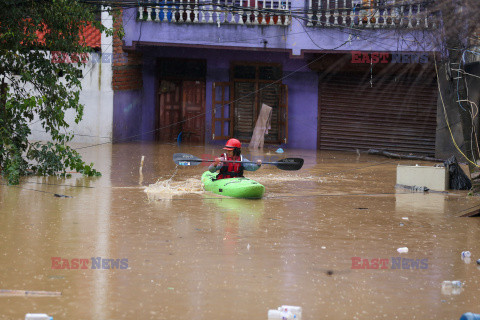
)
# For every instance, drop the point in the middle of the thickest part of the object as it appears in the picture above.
(446, 118)
(220, 106)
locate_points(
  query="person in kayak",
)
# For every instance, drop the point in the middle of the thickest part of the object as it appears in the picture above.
(229, 169)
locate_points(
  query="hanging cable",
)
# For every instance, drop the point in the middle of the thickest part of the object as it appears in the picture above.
(446, 118)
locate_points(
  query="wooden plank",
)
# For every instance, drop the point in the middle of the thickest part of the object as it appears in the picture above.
(19, 293)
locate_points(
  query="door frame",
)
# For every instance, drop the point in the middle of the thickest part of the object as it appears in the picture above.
(283, 97)
(175, 77)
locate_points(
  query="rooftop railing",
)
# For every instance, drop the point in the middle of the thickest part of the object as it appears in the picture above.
(239, 12)
(369, 14)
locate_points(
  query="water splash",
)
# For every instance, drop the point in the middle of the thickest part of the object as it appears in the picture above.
(167, 189)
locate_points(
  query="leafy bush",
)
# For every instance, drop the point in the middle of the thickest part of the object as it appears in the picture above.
(32, 86)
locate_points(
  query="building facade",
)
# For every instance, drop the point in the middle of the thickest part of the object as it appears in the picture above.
(338, 74)
(96, 94)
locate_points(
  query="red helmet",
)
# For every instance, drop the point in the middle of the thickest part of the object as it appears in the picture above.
(232, 144)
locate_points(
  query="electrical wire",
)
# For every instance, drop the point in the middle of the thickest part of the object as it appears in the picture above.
(137, 135)
(446, 118)
(220, 106)
(305, 31)
(139, 4)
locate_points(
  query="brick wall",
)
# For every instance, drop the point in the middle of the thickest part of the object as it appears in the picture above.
(127, 66)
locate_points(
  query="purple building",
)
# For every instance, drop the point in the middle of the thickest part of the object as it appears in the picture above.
(338, 75)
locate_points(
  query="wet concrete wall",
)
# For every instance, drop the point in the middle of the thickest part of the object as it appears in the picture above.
(302, 84)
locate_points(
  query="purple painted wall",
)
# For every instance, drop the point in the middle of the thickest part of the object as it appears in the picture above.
(296, 38)
(219, 45)
(127, 115)
(148, 110)
(302, 83)
(302, 110)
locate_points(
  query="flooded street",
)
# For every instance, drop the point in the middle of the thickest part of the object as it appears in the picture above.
(195, 255)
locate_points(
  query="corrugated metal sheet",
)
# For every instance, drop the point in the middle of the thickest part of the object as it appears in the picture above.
(396, 114)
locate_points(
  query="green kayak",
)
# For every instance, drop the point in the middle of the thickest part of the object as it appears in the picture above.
(232, 187)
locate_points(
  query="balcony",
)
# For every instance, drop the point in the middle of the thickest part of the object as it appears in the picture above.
(369, 14)
(235, 12)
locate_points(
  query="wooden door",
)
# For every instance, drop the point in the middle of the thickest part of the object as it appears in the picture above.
(193, 111)
(170, 104)
(222, 115)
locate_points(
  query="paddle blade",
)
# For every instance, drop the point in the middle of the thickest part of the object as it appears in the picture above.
(290, 164)
(185, 159)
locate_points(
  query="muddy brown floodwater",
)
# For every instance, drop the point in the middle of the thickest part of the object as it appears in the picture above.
(194, 255)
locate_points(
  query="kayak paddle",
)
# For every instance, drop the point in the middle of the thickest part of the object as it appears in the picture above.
(185, 159)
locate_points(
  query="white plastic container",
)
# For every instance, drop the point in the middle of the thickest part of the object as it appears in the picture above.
(295, 310)
(466, 254)
(37, 316)
(280, 315)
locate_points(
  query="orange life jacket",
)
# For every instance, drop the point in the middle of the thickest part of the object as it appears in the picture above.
(229, 169)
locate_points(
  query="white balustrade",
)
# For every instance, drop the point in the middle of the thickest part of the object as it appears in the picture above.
(157, 14)
(149, 13)
(320, 13)
(256, 12)
(195, 12)
(368, 14)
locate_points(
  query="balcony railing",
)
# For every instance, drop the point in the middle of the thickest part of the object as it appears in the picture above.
(369, 14)
(238, 12)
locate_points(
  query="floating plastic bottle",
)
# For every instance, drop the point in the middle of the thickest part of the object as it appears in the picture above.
(37, 316)
(466, 254)
(402, 250)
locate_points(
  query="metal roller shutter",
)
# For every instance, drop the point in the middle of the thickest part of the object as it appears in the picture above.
(396, 114)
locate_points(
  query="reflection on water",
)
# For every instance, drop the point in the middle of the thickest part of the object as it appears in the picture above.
(195, 255)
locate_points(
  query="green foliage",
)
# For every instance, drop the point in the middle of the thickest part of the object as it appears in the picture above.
(31, 85)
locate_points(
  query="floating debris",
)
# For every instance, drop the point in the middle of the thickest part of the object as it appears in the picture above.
(13, 293)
